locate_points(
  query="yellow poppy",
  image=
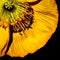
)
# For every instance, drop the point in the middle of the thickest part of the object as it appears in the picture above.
(45, 20)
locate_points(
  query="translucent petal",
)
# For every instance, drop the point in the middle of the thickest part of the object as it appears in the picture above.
(45, 24)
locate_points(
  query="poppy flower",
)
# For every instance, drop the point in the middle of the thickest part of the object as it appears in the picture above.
(26, 25)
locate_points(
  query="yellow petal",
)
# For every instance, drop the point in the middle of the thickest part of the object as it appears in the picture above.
(45, 24)
(21, 0)
(31, 0)
(4, 39)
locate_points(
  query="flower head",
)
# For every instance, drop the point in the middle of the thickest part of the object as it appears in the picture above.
(29, 25)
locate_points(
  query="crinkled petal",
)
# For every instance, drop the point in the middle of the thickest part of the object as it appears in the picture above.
(45, 24)
(4, 39)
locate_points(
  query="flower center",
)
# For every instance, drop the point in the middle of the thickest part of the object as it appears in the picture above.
(9, 6)
(18, 14)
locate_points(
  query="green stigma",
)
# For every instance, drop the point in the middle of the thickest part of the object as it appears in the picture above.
(9, 5)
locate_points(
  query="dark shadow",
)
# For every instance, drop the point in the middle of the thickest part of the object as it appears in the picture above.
(34, 3)
(10, 40)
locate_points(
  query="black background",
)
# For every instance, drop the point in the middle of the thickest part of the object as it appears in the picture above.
(50, 51)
